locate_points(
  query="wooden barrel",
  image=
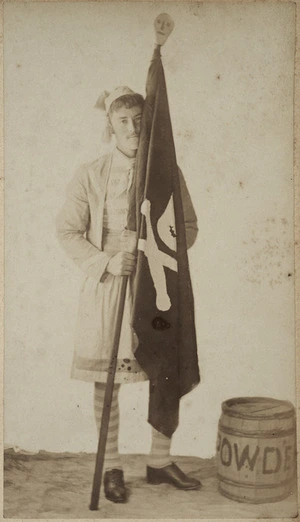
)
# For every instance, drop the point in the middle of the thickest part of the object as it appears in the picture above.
(256, 449)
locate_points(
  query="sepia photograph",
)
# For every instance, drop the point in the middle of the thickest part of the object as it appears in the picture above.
(149, 272)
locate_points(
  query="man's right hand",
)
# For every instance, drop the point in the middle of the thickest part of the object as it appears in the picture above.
(122, 263)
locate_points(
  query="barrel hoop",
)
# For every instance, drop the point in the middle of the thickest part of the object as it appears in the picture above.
(252, 500)
(240, 415)
(229, 408)
(266, 434)
(254, 486)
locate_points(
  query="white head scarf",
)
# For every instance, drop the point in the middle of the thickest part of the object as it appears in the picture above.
(106, 99)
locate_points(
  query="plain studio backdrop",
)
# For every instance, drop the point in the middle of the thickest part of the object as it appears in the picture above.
(229, 72)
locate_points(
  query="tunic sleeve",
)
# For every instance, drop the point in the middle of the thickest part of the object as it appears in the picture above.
(71, 224)
(190, 218)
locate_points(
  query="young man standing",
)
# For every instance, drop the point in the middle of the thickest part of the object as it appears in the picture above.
(92, 228)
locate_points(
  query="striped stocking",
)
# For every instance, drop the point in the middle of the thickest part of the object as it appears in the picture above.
(112, 459)
(159, 456)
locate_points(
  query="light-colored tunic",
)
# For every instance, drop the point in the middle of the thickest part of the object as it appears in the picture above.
(101, 307)
(91, 228)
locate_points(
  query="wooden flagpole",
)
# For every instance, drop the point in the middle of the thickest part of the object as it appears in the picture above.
(108, 398)
(163, 25)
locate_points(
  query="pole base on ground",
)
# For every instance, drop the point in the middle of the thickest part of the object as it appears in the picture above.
(93, 508)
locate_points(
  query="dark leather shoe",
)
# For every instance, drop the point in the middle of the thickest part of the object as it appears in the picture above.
(114, 487)
(172, 474)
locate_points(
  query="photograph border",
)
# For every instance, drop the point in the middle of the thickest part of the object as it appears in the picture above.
(296, 216)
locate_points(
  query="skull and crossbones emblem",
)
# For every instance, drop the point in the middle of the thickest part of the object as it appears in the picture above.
(157, 259)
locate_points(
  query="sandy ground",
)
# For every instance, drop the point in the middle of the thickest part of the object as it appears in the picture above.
(58, 485)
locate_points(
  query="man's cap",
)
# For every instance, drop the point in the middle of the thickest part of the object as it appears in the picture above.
(106, 99)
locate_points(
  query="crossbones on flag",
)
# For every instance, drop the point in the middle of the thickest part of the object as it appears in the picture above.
(163, 310)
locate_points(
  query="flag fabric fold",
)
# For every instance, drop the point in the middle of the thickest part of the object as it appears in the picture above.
(163, 309)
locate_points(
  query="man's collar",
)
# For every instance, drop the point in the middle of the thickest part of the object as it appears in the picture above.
(121, 158)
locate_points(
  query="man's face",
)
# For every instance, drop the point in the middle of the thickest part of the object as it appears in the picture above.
(126, 124)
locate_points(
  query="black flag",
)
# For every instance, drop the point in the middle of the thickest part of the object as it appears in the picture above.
(163, 311)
